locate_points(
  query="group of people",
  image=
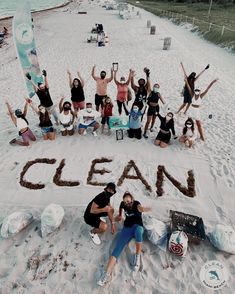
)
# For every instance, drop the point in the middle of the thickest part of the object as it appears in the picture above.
(75, 112)
(100, 208)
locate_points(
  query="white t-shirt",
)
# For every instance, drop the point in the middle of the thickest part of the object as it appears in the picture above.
(86, 118)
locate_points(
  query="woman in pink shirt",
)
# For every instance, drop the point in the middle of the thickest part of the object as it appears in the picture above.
(122, 91)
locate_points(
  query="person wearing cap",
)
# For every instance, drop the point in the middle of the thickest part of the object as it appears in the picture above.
(191, 79)
(88, 118)
(196, 105)
(100, 207)
(122, 91)
(132, 228)
(101, 86)
(20, 121)
(42, 91)
(142, 90)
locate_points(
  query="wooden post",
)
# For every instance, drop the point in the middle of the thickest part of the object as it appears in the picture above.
(222, 32)
(210, 27)
(193, 21)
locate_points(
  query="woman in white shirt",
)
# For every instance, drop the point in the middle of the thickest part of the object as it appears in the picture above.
(189, 133)
(66, 118)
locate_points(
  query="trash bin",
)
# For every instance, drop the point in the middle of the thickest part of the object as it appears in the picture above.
(152, 30)
(148, 23)
(167, 43)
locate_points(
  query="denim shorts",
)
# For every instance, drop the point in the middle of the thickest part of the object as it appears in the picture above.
(46, 130)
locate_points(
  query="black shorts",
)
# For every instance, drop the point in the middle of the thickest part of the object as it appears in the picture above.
(163, 137)
(94, 219)
(104, 120)
(99, 99)
(152, 110)
(187, 98)
(135, 133)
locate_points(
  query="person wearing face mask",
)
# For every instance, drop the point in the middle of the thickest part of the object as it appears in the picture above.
(122, 91)
(66, 117)
(99, 207)
(142, 90)
(77, 93)
(45, 122)
(101, 87)
(153, 103)
(132, 228)
(196, 105)
(19, 119)
(106, 112)
(189, 133)
(191, 79)
(42, 91)
(135, 116)
(88, 118)
(166, 127)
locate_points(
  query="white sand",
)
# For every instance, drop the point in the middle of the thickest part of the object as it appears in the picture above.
(61, 42)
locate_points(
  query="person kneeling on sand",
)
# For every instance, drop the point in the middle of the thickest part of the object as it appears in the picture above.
(87, 118)
(20, 121)
(189, 133)
(66, 118)
(45, 122)
(166, 125)
(100, 207)
(135, 122)
(132, 228)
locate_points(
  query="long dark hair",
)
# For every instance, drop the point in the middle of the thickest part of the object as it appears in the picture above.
(185, 127)
(191, 80)
(79, 82)
(23, 117)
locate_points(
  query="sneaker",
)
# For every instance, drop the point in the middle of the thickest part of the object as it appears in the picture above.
(136, 262)
(145, 136)
(95, 238)
(94, 133)
(104, 279)
(12, 141)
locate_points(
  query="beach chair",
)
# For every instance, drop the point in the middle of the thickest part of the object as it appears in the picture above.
(190, 224)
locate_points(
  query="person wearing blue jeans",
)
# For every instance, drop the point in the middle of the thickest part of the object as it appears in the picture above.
(133, 228)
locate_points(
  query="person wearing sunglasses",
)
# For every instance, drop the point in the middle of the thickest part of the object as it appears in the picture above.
(189, 133)
(166, 127)
(196, 105)
(98, 208)
(132, 228)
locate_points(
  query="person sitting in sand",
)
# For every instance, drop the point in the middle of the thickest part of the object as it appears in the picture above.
(189, 133)
(19, 119)
(132, 228)
(191, 79)
(166, 127)
(66, 118)
(45, 122)
(88, 118)
(100, 207)
(77, 93)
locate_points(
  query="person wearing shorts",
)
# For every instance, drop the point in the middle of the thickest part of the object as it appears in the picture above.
(101, 87)
(77, 93)
(87, 118)
(20, 121)
(132, 228)
(107, 111)
(100, 207)
(66, 117)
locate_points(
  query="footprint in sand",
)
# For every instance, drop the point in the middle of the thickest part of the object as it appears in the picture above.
(226, 171)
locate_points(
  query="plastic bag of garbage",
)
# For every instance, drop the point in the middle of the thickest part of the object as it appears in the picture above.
(51, 218)
(223, 238)
(15, 222)
(157, 231)
(178, 243)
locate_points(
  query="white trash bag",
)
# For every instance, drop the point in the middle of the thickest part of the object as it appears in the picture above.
(51, 218)
(157, 231)
(15, 222)
(223, 238)
(178, 243)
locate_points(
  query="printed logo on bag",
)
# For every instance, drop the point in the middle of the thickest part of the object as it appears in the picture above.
(214, 275)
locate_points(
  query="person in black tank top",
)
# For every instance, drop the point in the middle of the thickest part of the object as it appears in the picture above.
(142, 90)
(77, 92)
(132, 228)
(153, 109)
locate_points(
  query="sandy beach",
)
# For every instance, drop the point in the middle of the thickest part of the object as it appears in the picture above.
(67, 260)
